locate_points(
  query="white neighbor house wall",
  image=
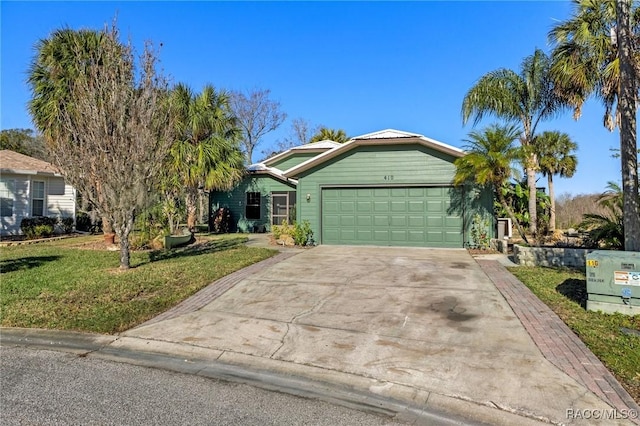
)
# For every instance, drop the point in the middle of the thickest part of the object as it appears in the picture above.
(59, 199)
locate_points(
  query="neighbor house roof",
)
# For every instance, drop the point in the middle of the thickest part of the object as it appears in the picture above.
(263, 169)
(382, 137)
(20, 164)
(318, 147)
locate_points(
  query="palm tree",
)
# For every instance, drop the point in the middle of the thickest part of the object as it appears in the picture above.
(334, 135)
(206, 154)
(489, 162)
(554, 151)
(594, 54)
(606, 229)
(54, 68)
(525, 98)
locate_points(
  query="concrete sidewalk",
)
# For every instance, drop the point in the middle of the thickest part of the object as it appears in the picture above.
(421, 334)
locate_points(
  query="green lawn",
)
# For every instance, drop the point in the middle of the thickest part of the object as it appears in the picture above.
(565, 292)
(60, 286)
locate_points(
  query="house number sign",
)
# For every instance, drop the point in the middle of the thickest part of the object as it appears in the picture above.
(388, 177)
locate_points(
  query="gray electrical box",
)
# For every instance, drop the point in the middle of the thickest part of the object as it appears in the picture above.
(613, 281)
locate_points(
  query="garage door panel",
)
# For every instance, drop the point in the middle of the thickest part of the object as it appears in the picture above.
(381, 206)
(364, 206)
(400, 216)
(381, 221)
(416, 221)
(415, 206)
(398, 221)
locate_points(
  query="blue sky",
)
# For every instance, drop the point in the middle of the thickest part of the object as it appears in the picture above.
(359, 66)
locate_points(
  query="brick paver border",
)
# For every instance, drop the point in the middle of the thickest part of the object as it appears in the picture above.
(555, 339)
(217, 288)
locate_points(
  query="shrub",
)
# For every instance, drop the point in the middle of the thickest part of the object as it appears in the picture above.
(480, 232)
(221, 221)
(67, 224)
(38, 227)
(301, 234)
(85, 224)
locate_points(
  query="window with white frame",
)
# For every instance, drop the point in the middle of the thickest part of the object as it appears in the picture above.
(7, 195)
(37, 198)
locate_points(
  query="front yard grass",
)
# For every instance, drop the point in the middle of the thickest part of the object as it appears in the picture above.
(565, 292)
(59, 285)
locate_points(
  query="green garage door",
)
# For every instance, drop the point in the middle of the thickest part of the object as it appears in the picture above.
(409, 216)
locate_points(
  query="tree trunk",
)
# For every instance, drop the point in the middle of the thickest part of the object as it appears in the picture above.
(552, 198)
(191, 202)
(531, 184)
(123, 232)
(628, 145)
(201, 207)
(506, 208)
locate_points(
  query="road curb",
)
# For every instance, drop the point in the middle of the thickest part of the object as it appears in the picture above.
(431, 408)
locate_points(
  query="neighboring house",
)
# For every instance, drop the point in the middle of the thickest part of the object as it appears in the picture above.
(30, 187)
(384, 188)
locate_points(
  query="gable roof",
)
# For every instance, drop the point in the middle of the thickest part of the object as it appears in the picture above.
(318, 147)
(382, 137)
(20, 164)
(263, 169)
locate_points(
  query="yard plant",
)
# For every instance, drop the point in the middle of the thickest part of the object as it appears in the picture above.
(613, 338)
(60, 285)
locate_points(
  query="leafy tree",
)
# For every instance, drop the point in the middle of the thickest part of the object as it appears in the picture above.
(334, 135)
(112, 127)
(489, 162)
(554, 151)
(206, 153)
(23, 141)
(596, 53)
(257, 115)
(525, 98)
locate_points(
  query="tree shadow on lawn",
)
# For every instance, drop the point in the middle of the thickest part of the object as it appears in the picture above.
(196, 249)
(574, 289)
(11, 265)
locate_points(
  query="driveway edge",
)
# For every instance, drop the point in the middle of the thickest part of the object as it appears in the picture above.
(558, 344)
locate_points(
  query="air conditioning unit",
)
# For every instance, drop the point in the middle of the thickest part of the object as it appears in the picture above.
(613, 281)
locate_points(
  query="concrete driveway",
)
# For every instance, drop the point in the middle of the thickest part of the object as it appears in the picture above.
(420, 325)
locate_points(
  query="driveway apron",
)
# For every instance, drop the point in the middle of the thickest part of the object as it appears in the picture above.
(427, 320)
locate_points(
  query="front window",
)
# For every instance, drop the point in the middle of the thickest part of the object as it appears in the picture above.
(253, 205)
(7, 191)
(37, 198)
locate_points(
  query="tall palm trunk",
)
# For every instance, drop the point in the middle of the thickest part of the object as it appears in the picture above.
(552, 198)
(191, 203)
(512, 216)
(628, 144)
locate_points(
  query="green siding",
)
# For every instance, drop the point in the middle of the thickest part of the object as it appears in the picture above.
(293, 160)
(384, 166)
(236, 200)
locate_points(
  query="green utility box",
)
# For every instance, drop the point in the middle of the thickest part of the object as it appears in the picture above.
(613, 281)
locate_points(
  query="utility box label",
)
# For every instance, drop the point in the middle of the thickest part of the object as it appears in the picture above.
(626, 278)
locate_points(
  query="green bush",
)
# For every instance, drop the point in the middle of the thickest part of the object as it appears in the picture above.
(38, 227)
(302, 234)
(67, 224)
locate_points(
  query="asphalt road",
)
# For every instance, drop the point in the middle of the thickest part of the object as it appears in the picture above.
(45, 387)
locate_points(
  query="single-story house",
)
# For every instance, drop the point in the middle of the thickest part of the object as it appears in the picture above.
(31, 187)
(383, 188)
